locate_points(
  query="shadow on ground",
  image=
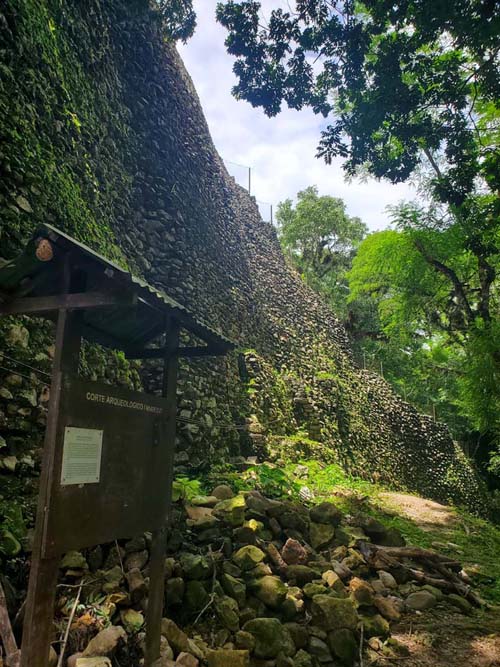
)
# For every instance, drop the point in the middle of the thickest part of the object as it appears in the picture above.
(448, 639)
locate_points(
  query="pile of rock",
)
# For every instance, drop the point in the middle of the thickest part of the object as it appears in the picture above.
(262, 582)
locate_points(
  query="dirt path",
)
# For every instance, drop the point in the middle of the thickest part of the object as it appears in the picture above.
(440, 637)
(427, 514)
(449, 640)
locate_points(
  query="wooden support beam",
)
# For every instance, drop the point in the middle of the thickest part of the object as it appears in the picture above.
(38, 617)
(12, 653)
(80, 301)
(159, 538)
(159, 353)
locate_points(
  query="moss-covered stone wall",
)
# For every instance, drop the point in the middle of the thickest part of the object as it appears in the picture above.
(102, 135)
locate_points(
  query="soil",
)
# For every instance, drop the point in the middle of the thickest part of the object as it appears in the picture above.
(427, 514)
(449, 640)
(440, 637)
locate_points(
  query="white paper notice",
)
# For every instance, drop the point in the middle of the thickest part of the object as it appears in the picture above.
(82, 450)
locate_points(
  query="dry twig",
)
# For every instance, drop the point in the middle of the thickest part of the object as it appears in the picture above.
(361, 640)
(68, 627)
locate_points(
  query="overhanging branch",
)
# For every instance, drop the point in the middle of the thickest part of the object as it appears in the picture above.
(450, 274)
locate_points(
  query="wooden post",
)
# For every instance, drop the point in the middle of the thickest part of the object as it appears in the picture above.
(12, 654)
(159, 541)
(38, 617)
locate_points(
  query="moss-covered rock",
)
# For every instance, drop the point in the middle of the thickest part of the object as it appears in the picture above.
(248, 557)
(344, 645)
(375, 626)
(332, 613)
(270, 590)
(326, 513)
(234, 587)
(226, 609)
(271, 637)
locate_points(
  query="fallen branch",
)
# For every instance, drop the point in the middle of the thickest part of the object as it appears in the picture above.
(417, 553)
(381, 558)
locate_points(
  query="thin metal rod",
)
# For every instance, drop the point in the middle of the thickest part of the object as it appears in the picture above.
(22, 363)
(159, 352)
(10, 370)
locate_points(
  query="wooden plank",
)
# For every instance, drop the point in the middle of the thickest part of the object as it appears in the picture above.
(128, 498)
(159, 353)
(80, 301)
(38, 618)
(159, 540)
(12, 653)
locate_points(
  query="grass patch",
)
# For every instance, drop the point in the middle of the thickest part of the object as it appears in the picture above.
(452, 531)
(473, 541)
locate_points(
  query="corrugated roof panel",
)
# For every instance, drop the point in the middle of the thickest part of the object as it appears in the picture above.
(115, 326)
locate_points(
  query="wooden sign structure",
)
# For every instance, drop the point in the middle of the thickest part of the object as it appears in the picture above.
(108, 456)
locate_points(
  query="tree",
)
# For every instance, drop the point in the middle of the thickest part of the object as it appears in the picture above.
(438, 305)
(320, 239)
(178, 17)
(403, 82)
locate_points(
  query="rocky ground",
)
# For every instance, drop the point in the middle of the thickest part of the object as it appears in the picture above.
(268, 583)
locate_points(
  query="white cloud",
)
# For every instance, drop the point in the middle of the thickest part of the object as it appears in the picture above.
(280, 150)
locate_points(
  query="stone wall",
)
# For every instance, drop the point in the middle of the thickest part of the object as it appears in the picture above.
(103, 136)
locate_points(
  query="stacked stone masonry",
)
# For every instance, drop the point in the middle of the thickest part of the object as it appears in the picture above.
(103, 135)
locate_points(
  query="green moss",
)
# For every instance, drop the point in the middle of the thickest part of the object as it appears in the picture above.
(55, 118)
(473, 541)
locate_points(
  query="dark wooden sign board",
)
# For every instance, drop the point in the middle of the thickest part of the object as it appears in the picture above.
(110, 468)
(108, 456)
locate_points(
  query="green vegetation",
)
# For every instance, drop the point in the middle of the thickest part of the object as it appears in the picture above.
(473, 541)
(12, 528)
(184, 488)
(437, 320)
(402, 83)
(178, 18)
(412, 90)
(320, 239)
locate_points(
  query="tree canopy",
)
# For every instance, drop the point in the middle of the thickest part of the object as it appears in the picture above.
(178, 18)
(439, 318)
(399, 80)
(420, 301)
(320, 238)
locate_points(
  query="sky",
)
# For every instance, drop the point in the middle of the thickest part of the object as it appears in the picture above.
(280, 151)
